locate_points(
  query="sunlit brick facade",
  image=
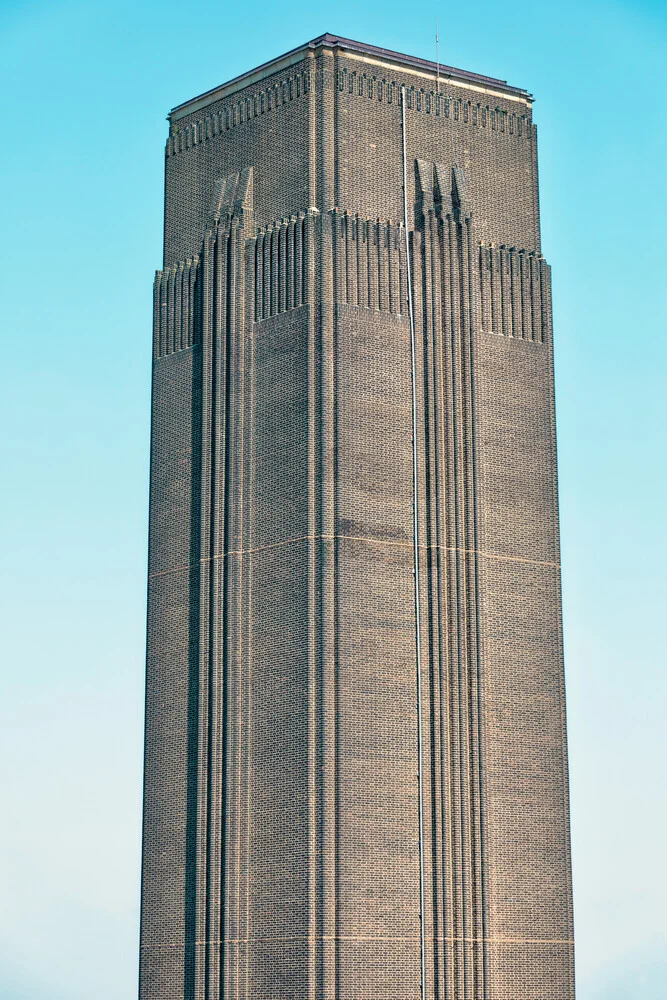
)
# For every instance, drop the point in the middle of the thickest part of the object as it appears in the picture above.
(281, 833)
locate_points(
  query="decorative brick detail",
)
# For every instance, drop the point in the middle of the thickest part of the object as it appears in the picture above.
(443, 103)
(369, 263)
(174, 308)
(183, 137)
(369, 269)
(444, 270)
(280, 267)
(515, 291)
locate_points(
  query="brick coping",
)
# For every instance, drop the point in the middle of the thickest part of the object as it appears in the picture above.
(378, 55)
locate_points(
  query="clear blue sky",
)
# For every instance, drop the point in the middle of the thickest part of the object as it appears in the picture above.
(85, 90)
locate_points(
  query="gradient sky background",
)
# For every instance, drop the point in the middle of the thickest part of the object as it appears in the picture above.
(85, 90)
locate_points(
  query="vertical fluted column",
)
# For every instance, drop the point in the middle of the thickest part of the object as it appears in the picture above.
(451, 736)
(157, 315)
(259, 275)
(458, 284)
(282, 267)
(536, 296)
(246, 543)
(214, 326)
(362, 262)
(298, 261)
(290, 297)
(547, 318)
(338, 256)
(372, 266)
(383, 266)
(308, 250)
(351, 260)
(470, 295)
(201, 920)
(526, 315)
(215, 313)
(430, 299)
(236, 650)
(275, 272)
(325, 523)
(434, 439)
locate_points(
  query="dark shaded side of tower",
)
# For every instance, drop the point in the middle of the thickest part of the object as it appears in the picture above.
(280, 824)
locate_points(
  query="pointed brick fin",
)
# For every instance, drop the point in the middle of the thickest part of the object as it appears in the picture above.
(443, 189)
(460, 193)
(225, 193)
(244, 194)
(424, 185)
(228, 196)
(451, 191)
(233, 198)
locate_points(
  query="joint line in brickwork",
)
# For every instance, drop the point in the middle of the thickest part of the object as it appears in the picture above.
(494, 555)
(352, 538)
(314, 938)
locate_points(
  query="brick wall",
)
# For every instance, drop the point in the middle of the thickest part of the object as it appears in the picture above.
(281, 833)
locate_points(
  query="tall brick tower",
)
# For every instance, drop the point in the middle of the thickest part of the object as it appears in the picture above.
(355, 775)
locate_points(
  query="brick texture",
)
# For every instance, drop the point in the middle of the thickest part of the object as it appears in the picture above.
(281, 833)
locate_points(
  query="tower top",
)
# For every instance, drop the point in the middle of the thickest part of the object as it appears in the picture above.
(371, 53)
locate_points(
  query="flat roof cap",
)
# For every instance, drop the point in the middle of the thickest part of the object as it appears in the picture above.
(346, 44)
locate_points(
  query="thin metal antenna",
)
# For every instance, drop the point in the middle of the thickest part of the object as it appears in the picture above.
(437, 59)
